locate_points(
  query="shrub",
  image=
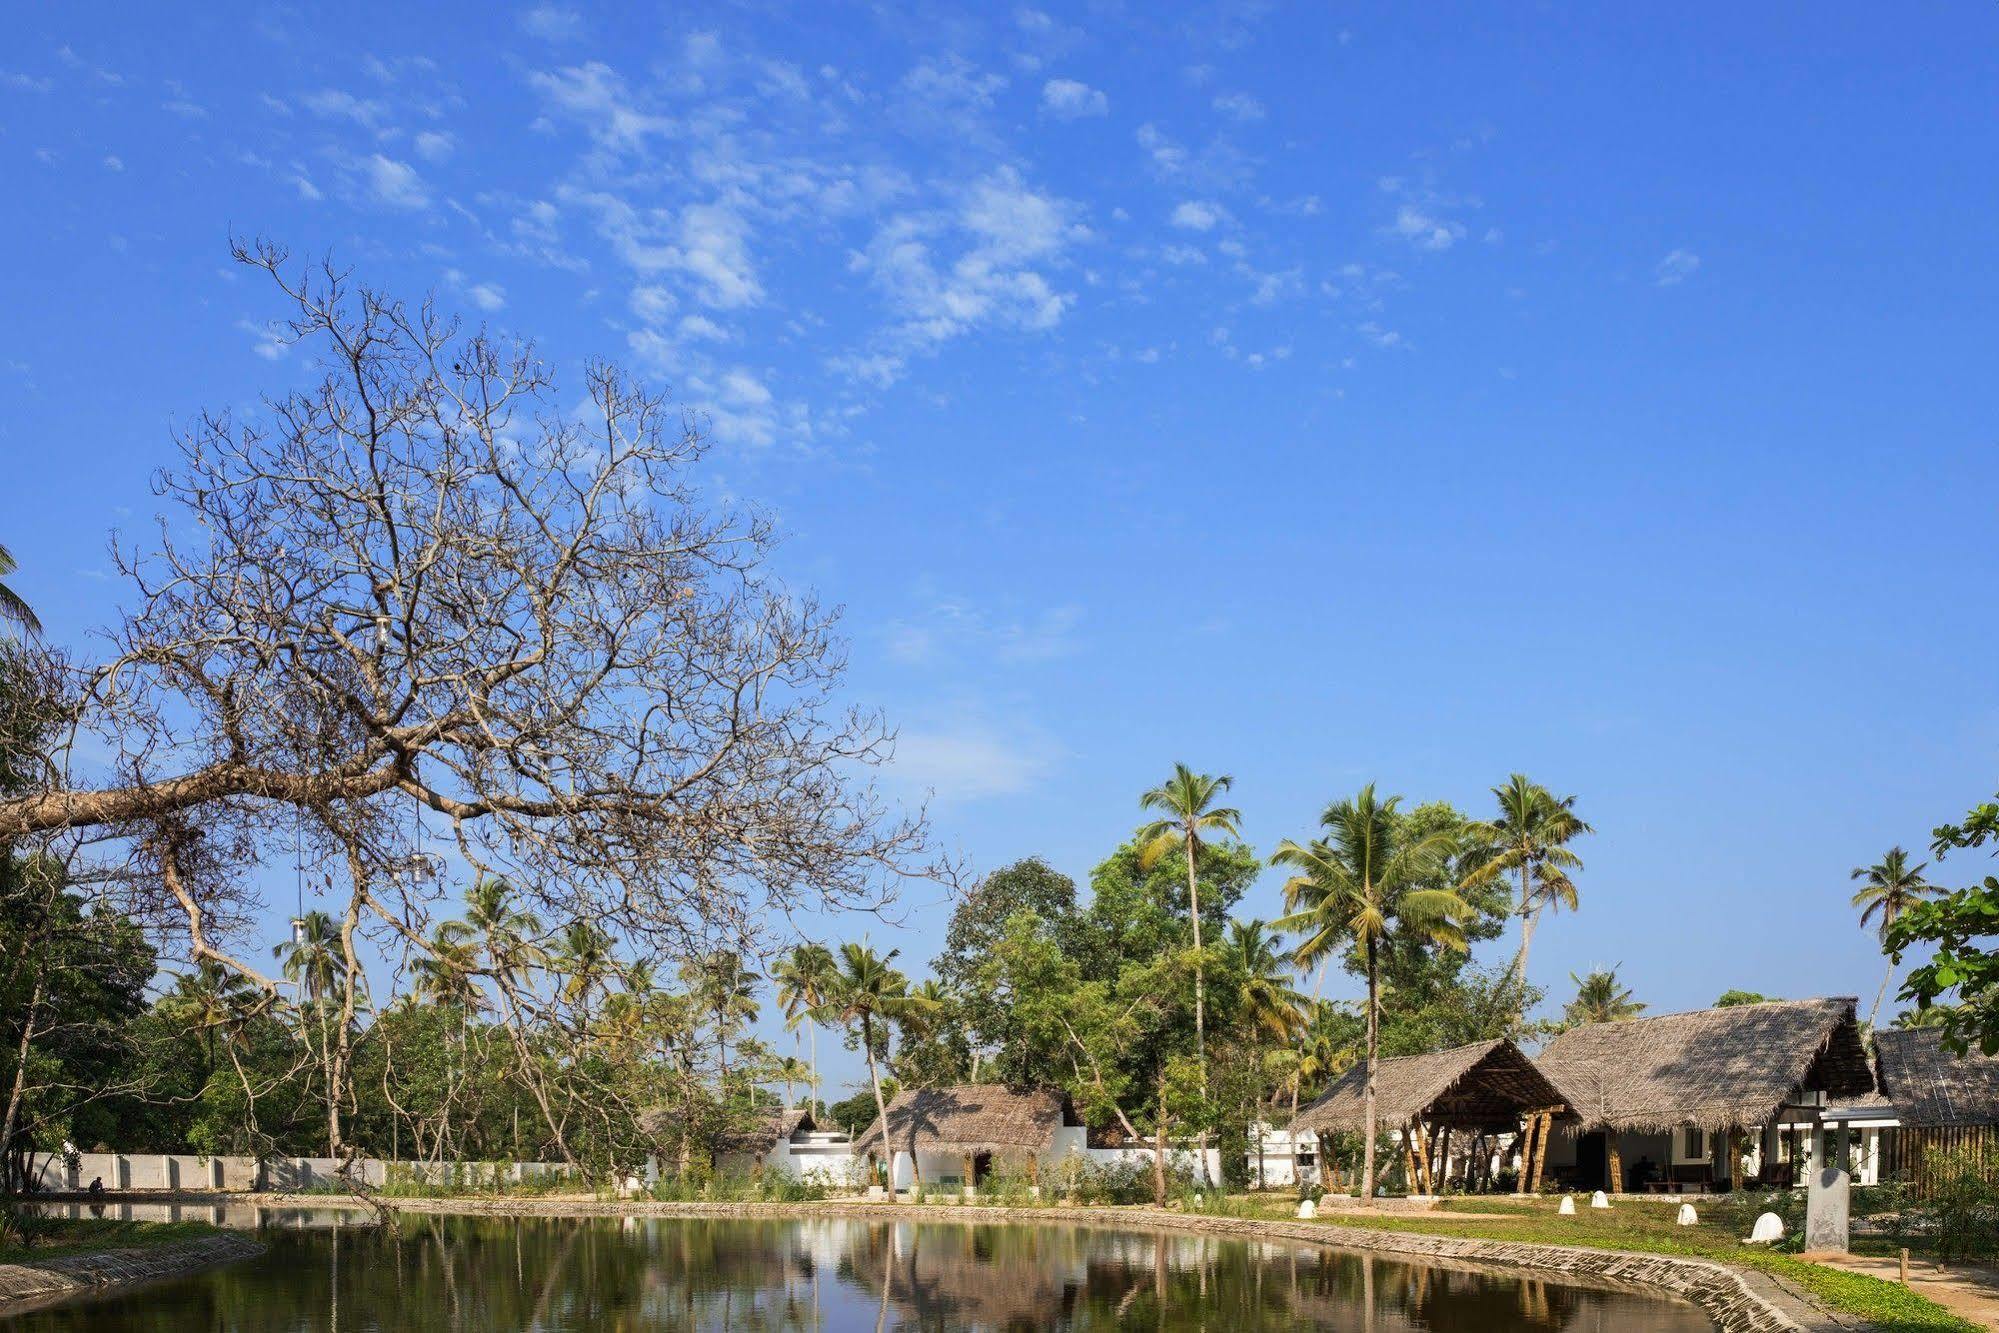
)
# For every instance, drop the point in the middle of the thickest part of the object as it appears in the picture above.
(1959, 1212)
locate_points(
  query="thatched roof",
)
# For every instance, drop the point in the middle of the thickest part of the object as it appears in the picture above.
(969, 1118)
(763, 1135)
(1929, 1086)
(1716, 1068)
(756, 1138)
(1488, 1083)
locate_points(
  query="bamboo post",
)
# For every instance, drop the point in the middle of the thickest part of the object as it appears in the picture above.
(1444, 1158)
(970, 1170)
(1546, 1121)
(1525, 1142)
(1616, 1163)
(1427, 1144)
(1409, 1155)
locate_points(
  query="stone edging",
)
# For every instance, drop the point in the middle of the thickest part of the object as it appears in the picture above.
(1738, 1301)
(27, 1284)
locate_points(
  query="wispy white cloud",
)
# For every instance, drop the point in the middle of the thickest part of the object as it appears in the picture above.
(1239, 107)
(551, 23)
(1067, 99)
(336, 104)
(395, 183)
(434, 145)
(1196, 215)
(1676, 268)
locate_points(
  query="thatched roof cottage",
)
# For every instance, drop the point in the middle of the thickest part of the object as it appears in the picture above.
(1930, 1100)
(953, 1135)
(1658, 1101)
(1482, 1092)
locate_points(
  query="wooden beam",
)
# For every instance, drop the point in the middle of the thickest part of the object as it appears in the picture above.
(1444, 1158)
(1547, 1123)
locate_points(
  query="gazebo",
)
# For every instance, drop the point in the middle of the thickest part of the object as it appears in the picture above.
(1487, 1089)
(956, 1133)
(1687, 1085)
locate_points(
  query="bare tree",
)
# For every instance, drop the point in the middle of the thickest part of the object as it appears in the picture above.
(424, 580)
(429, 605)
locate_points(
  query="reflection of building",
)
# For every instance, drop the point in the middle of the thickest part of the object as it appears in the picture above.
(1668, 1096)
(955, 1136)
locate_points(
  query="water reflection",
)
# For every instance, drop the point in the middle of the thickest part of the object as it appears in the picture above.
(327, 1270)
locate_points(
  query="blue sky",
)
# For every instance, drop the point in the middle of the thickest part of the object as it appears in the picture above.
(1313, 394)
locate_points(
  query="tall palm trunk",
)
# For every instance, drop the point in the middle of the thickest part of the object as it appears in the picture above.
(1200, 1000)
(1881, 995)
(1373, 1045)
(881, 1106)
(1526, 926)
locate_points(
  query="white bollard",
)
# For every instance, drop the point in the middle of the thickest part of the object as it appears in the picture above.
(1568, 1208)
(1768, 1229)
(1599, 1200)
(1307, 1210)
(1686, 1217)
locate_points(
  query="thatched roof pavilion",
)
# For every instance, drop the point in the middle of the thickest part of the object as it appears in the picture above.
(967, 1119)
(1717, 1069)
(1487, 1085)
(1929, 1087)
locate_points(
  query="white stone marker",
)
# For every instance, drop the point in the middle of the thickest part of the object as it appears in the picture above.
(1307, 1210)
(1568, 1208)
(1686, 1217)
(1599, 1200)
(1826, 1202)
(1769, 1228)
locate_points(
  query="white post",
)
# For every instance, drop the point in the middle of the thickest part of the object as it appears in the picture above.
(169, 1172)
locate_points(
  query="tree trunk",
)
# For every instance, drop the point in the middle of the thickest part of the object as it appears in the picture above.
(1159, 1147)
(19, 1090)
(881, 1106)
(1200, 1004)
(1373, 1045)
(1526, 926)
(1881, 995)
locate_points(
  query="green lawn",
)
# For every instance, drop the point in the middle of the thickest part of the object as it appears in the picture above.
(58, 1236)
(1649, 1227)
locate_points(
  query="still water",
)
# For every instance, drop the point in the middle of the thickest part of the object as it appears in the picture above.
(559, 1274)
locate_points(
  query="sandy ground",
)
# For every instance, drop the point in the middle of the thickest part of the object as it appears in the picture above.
(1970, 1291)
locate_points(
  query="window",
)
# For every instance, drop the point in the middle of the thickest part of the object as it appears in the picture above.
(1693, 1144)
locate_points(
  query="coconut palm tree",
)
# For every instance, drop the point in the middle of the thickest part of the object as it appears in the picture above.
(789, 1070)
(1363, 883)
(1266, 1000)
(866, 992)
(1892, 887)
(13, 607)
(510, 936)
(804, 980)
(217, 1001)
(582, 958)
(1187, 802)
(1600, 999)
(726, 992)
(1530, 839)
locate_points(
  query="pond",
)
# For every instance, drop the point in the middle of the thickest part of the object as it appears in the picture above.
(323, 1271)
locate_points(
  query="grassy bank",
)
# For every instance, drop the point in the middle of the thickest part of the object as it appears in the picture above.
(1650, 1228)
(40, 1238)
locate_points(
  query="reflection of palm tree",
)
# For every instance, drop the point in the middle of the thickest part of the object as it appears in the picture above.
(1892, 887)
